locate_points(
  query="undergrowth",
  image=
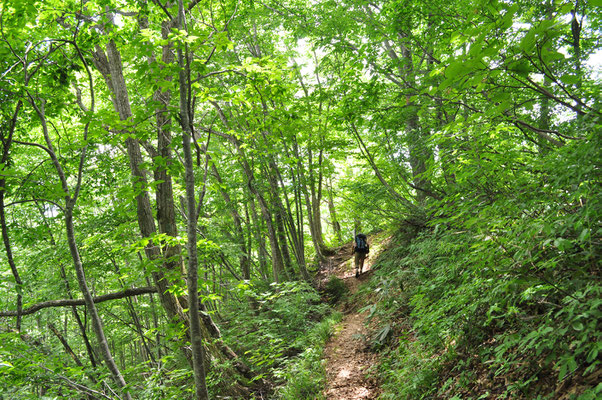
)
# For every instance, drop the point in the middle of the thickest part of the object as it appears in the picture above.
(278, 330)
(304, 376)
(466, 329)
(499, 296)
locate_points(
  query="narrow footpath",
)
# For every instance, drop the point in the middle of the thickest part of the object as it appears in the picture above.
(347, 356)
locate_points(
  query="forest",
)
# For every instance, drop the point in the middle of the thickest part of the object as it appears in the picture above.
(179, 180)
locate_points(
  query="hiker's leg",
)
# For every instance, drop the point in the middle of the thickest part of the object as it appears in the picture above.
(363, 257)
(357, 263)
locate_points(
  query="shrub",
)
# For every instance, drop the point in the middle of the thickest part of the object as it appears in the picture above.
(267, 325)
(335, 290)
(304, 375)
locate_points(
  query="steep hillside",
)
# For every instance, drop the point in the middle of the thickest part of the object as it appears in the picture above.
(461, 325)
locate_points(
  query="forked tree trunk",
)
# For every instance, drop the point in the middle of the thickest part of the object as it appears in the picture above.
(110, 66)
(70, 201)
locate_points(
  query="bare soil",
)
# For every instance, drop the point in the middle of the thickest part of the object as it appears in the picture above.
(347, 356)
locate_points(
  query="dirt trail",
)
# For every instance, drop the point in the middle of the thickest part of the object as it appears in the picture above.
(346, 355)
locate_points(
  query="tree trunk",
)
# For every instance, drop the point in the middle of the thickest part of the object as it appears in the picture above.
(336, 226)
(315, 185)
(110, 66)
(67, 348)
(70, 201)
(277, 263)
(92, 311)
(196, 337)
(238, 231)
(6, 144)
(259, 238)
(308, 204)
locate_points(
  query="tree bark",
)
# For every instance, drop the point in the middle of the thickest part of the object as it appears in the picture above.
(110, 66)
(196, 337)
(70, 202)
(336, 226)
(6, 145)
(238, 231)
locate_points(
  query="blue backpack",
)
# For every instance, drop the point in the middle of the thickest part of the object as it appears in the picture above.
(361, 244)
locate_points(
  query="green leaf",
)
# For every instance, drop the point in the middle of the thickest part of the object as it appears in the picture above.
(584, 235)
(563, 371)
(593, 354)
(5, 365)
(562, 244)
(569, 79)
(454, 69)
(528, 42)
(578, 326)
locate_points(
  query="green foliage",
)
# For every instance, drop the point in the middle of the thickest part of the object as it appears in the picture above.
(410, 370)
(513, 290)
(477, 122)
(284, 318)
(304, 375)
(166, 383)
(304, 378)
(335, 290)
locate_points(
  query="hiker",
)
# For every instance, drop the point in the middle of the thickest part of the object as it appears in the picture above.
(361, 249)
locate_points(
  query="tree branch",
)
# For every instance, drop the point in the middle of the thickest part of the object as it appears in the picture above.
(407, 203)
(80, 302)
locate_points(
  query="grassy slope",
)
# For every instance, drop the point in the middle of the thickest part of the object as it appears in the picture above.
(452, 320)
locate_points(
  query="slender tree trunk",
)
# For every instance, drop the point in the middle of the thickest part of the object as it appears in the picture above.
(277, 263)
(249, 237)
(93, 312)
(315, 185)
(196, 337)
(239, 233)
(74, 312)
(313, 212)
(279, 216)
(336, 226)
(286, 256)
(308, 204)
(155, 317)
(6, 144)
(134, 315)
(295, 227)
(259, 238)
(78, 319)
(295, 222)
(70, 201)
(66, 346)
(576, 27)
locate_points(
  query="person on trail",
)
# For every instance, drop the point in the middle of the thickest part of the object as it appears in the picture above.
(360, 248)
